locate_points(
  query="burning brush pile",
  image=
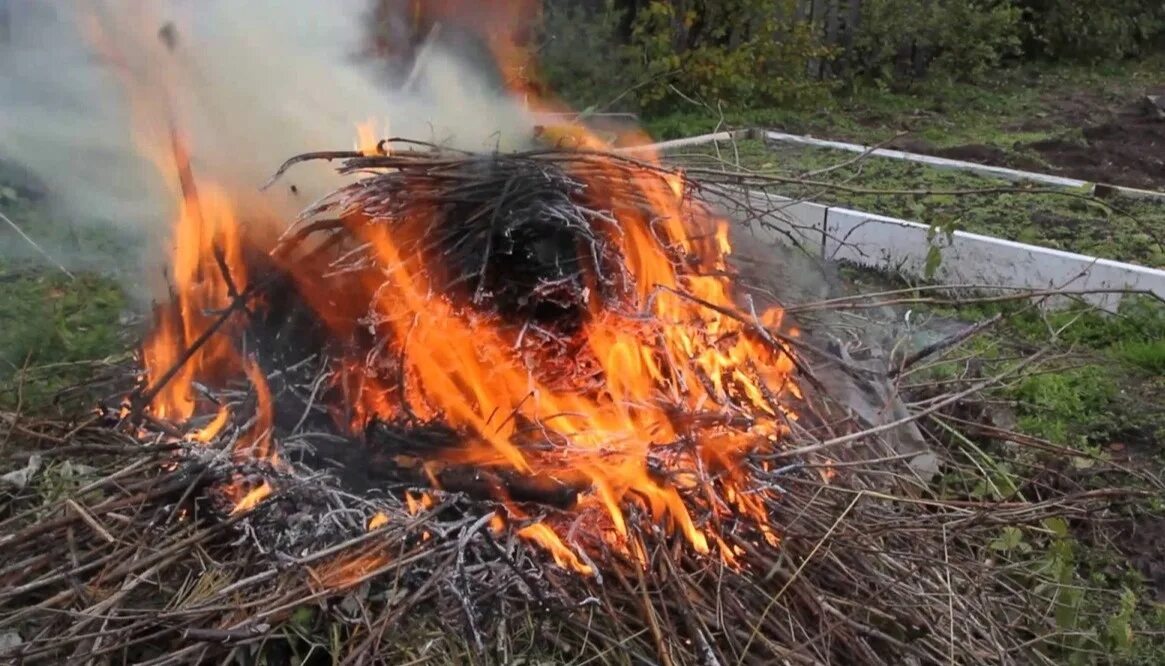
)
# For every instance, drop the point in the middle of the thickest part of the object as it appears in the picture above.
(491, 406)
(553, 335)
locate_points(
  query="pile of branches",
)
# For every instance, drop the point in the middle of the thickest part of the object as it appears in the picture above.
(526, 235)
(123, 541)
(130, 558)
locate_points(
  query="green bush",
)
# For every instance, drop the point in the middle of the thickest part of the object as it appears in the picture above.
(962, 39)
(1092, 31)
(585, 58)
(730, 54)
(659, 57)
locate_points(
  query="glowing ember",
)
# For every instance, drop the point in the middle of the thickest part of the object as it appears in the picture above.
(418, 502)
(342, 574)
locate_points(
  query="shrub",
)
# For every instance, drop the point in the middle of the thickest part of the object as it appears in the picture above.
(584, 57)
(963, 39)
(1092, 31)
(663, 56)
(739, 53)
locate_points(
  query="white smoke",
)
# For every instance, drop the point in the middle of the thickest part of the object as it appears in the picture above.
(250, 83)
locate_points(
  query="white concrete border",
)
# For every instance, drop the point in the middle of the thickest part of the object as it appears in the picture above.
(889, 243)
(680, 143)
(905, 247)
(973, 167)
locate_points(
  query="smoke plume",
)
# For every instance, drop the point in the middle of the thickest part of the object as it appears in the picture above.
(91, 90)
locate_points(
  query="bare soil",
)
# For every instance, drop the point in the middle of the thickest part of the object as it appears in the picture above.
(1121, 143)
(1143, 542)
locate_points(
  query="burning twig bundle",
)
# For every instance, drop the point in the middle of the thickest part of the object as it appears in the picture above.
(562, 320)
(465, 386)
(509, 233)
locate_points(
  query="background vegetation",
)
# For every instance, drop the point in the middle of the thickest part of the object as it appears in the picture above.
(739, 54)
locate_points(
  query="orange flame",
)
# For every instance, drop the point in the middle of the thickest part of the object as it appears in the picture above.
(260, 445)
(470, 374)
(213, 428)
(252, 498)
(694, 352)
(368, 138)
(563, 556)
(377, 521)
(206, 228)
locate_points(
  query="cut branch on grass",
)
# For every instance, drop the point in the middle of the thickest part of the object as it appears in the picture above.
(944, 344)
(36, 246)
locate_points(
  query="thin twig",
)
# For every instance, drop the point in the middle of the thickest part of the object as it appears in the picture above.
(35, 246)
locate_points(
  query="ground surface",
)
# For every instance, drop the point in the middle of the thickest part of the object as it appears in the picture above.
(1087, 123)
(1120, 141)
(1103, 395)
(54, 323)
(1117, 227)
(1100, 396)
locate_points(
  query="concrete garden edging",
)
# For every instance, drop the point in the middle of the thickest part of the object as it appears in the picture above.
(964, 258)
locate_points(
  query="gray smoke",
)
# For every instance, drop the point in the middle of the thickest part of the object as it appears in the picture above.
(249, 84)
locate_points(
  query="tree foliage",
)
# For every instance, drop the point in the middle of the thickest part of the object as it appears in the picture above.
(654, 54)
(1092, 31)
(648, 55)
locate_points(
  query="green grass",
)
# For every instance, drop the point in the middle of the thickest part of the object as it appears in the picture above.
(51, 322)
(1118, 228)
(1017, 105)
(1100, 393)
(51, 325)
(1103, 384)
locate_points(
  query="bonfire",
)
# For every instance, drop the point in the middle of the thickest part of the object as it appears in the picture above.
(476, 391)
(517, 404)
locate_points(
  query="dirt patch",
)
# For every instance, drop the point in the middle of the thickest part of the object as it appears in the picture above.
(1128, 151)
(1121, 145)
(979, 153)
(984, 154)
(1143, 543)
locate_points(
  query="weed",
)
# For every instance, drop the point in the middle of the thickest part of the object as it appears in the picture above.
(1068, 406)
